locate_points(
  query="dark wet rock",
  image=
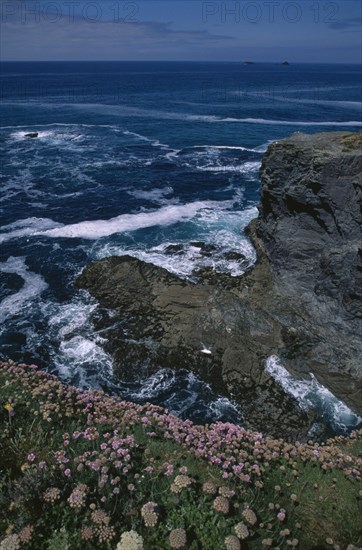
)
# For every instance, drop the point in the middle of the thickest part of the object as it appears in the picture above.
(233, 255)
(32, 135)
(206, 249)
(301, 300)
(174, 249)
(168, 324)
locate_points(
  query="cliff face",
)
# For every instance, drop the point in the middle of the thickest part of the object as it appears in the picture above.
(301, 301)
(310, 227)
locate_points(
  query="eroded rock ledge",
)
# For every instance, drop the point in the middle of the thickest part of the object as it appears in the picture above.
(301, 301)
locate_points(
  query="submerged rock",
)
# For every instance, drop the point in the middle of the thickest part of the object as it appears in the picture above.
(301, 301)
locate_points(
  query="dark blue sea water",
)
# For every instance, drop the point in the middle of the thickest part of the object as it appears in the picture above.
(130, 158)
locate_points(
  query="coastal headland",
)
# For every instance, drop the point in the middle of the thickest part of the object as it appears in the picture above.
(301, 301)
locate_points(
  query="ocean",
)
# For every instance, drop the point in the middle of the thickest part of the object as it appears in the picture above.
(131, 158)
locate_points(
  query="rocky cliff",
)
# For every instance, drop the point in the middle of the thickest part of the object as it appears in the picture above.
(310, 227)
(301, 301)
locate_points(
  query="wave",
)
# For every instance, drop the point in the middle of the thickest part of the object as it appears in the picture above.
(338, 103)
(232, 147)
(219, 228)
(124, 111)
(310, 394)
(33, 286)
(244, 168)
(62, 124)
(96, 229)
(290, 122)
(268, 95)
(154, 142)
(27, 227)
(76, 351)
(184, 395)
(259, 149)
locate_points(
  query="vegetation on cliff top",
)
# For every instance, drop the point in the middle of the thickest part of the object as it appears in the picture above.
(352, 141)
(80, 469)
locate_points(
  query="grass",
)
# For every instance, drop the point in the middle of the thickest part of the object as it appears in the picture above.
(85, 470)
(353, 141)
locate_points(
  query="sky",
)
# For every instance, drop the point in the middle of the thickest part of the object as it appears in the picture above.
(182, 30)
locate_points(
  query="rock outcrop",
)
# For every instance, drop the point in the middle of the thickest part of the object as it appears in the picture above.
(310, 228)
(301, 301)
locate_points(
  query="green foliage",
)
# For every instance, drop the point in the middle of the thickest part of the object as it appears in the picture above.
(79, 469)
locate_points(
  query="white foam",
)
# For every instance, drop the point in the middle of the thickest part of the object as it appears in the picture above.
(138, 136)
(157, 383)
(263, 147)
(221, 405)
(244, 168)
(213, 118)
(231, 147)
(52, 137)
(65, 319)
(78, 352)
(96, 229)
(219, 226)
(157, 195)
(310, 394)
(33, 286)
(29, 129)
(22, 182)
(28, 227)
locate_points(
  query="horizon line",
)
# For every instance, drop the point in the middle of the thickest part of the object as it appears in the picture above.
(246, 61)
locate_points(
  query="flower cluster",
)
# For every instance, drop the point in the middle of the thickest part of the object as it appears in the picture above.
(119, 471)
(130, 540)
(77, 498)
(180, 482)
(149, 514)
(178, 538)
